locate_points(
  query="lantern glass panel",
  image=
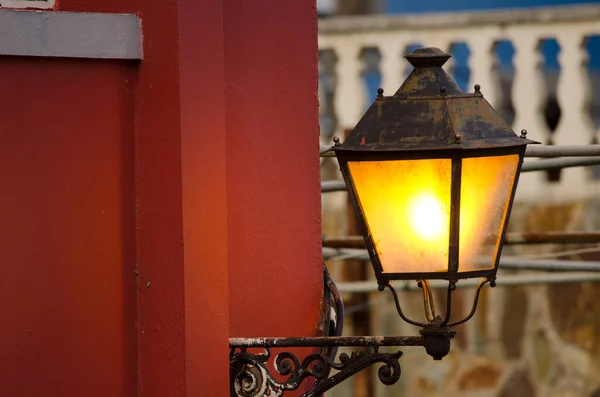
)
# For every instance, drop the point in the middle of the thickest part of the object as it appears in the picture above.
(486, 187)
(406, 205)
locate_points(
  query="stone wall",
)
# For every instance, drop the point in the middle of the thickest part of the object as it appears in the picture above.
(529, 340)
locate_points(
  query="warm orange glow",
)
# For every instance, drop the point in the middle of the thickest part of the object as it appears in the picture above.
(427, 217)
(486, 186)
(406, 204)
(407, 209)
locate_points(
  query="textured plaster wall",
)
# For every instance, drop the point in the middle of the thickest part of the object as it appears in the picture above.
(273, 186)
(204, 159)
(67, 229)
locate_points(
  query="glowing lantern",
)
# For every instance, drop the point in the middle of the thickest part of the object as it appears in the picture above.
(432, 174)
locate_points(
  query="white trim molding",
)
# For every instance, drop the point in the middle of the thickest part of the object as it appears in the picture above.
(70, 34)
(37, 4)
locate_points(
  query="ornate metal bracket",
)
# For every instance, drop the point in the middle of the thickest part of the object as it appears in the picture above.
(251, 377)
(250, 372)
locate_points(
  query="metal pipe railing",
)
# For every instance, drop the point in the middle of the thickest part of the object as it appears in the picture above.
(528, 166)
(558, 163)
(333, 186)
(562, 151)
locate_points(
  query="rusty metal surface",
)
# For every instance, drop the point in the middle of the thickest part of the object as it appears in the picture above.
(426, 79)
(325, 341)
(262, 375)
(429, 117)
(531, 151)
(430, 112)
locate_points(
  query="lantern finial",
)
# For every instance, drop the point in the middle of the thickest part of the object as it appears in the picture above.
(428, 57)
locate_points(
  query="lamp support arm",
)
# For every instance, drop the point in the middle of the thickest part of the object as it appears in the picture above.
(475, 301)
(251, 377)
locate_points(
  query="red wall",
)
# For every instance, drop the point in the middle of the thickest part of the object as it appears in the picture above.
(275, 266)
(67, 229)
(215, 133)
(181, 196)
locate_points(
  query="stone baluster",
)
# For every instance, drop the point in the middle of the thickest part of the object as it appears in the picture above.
(322, 103)
(527, 96)
(445, 45)
(481, 64)
(349, 106)
(392, 64)
(575, 126)
(350, 96)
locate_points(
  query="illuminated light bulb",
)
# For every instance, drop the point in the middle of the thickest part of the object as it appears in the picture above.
(427, 217)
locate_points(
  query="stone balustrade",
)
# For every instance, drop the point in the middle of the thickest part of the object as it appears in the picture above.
(553, 105)
(524, 341)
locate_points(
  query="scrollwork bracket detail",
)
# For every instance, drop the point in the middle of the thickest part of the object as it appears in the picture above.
(251, 377)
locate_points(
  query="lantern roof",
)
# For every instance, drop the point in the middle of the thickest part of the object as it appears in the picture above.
(430, 112)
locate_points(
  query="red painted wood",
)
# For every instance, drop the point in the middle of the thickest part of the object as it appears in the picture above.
(67, 229)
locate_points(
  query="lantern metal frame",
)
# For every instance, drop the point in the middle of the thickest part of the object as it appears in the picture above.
(395, 128)
(453, 273)
(473, 135)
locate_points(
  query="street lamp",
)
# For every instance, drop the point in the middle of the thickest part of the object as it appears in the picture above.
(431, 173)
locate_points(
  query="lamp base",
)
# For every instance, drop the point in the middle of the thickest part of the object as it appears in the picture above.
(437, 341)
